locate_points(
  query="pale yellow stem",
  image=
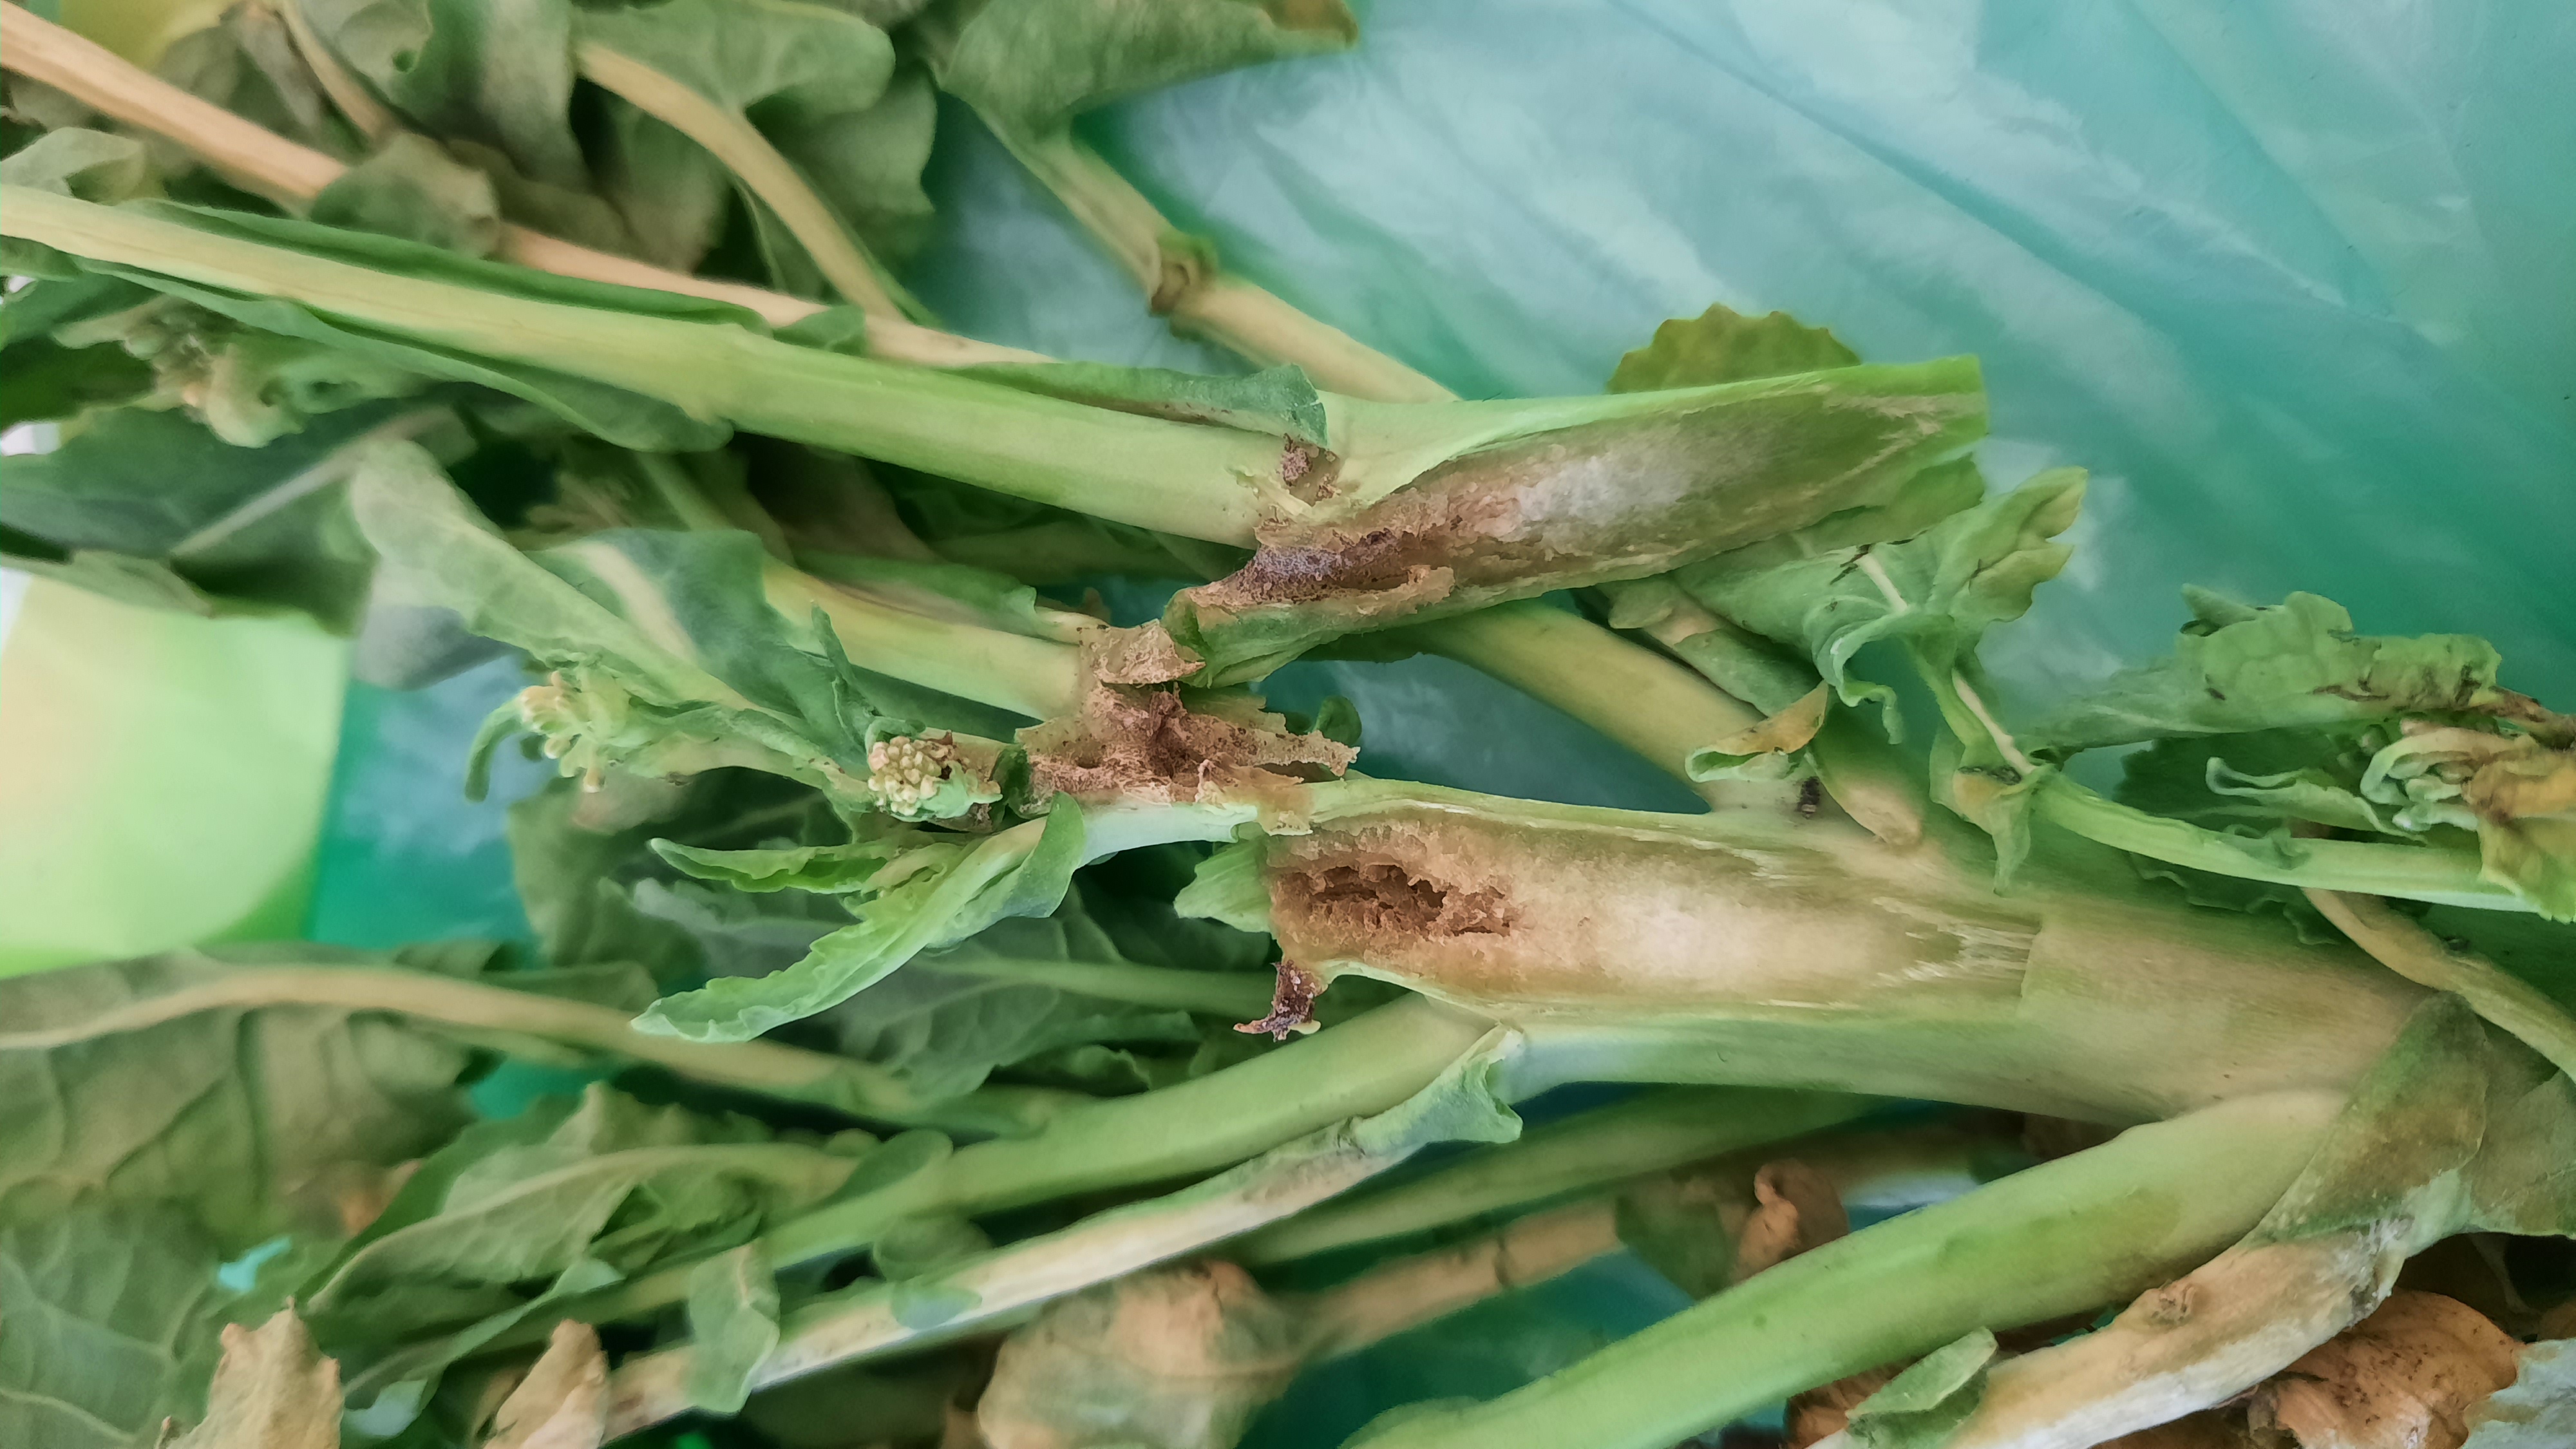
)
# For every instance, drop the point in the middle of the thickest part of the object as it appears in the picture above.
(2417, 954)
(264, 162)
(731, 138)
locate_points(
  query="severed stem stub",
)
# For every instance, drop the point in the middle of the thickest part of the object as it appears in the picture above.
(1292, 1005)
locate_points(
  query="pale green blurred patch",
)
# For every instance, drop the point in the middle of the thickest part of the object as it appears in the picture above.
(161, 775)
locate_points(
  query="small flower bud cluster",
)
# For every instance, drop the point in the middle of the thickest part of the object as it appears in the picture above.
(547, 709)
(908, 769)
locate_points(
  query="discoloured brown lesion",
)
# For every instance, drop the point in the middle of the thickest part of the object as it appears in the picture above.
(1612, 499)
(1488, 912)
(1292, 1005)
(1366, 895)
(1149, 744)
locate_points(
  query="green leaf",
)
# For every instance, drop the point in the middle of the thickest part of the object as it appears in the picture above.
(938, 590)
(49, 382)
(414, 190)
(91, 165)
(2298, 664)
(1279, 400)
(2524, 1178)
(1723, 345)
(195, 523)
(248, 63)
(499, 72)
(671, 195)
(1921, 1406)
(605, 1181)
(576, 865)
(255, 1120)
(1035, 64)
(918, 1247)
(1465, 1103)
(945, 1027)
(2417, 1118)
(271, 1390)
(792, 59)
(1939, 591)
(2538, 1409)
(670, 656)
(111, 1317)
(1023, 871)
(733, 1324)
(2516, 793)
(868, 163)
(777, 63)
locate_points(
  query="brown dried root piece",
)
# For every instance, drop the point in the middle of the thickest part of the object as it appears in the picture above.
(2406, 1377)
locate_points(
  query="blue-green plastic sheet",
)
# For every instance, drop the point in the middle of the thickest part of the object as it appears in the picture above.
(2296, 280)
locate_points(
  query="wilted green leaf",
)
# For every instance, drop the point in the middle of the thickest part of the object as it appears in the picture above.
(91, 165)
(2538, 1410)
(1036, 64)
(1279, 400)
(622, 417)
(108, 1323)
(2237, 668)
(733, 1324)
(247, 62)
(1919, 1407)
(414, 190)
(499, 72)
(149, 504)
(514, 1204)
(1723, 345)
(254, 1120)
(1939, 591)
(1023, 871)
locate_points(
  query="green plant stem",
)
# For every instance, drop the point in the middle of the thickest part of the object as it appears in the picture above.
(2059, 1238)
(878, 1319)
(1362, 1066)
(1650, 1133)
(772, 1070)
(1177, 477)
(735, 142)
(2417, 954)
(1636, 697)
(1034, 677)
(2409, 872)
(1181, 281)
(2245, 1315)
(1409, 1292)
(373, 121)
